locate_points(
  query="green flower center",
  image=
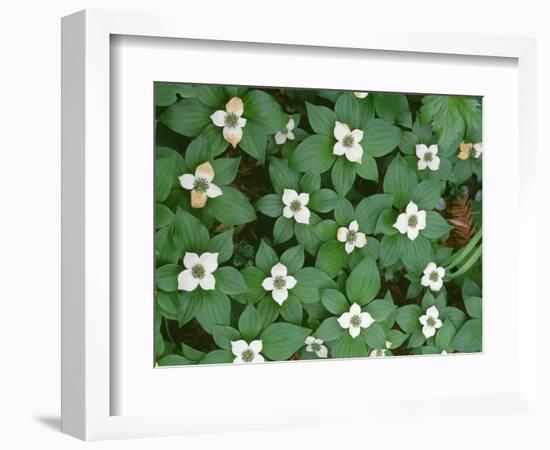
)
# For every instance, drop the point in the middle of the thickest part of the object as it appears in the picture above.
(355, 321)
(348, 141)
(247, 355)
(431, 322)
(472, 152)
(295, 206)
(413, 221)
(231, 120)
(428, 156)
(315, 347)
(198, 271)
(279, 282)
(200, 185)
(351, 236)
(434, 276)
(285, 130)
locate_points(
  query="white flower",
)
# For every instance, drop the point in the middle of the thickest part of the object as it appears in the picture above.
(469, 149)
(444, 352)
(427, 157)
(430, 322)
(295, 206)
(411, 221)
(285, 133)
(200, 185)
(279, 283)
(316, 345)
(361, 94)
(433, 277)
(354, 320)
(478, 149)
(348, 142)
(199, 270)
(231, 121)
(247, 353)
(351, 236)
(376, 353)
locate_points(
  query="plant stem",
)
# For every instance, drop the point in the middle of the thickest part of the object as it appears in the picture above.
(462, 253)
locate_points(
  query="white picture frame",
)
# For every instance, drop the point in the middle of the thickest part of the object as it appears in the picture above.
(88, 386)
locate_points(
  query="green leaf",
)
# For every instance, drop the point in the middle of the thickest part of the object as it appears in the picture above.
(375, 336)
(230, 281)
(169, 304)
(347, 110)
(283, 230)
(223, 245)
(470, 289)
(391, 249)
(396, 337)
(408, 143)
(190, 235)
(232, 207)
(264, 110)
(191, 353)
(368, 210)
(367, 169)
(225, 170)
(343, 212)
(330, 330)
(218, 357)
(416, 340)
(455, 315)
(381, 137)
(343, 175)
(266, 258)
(253, 278)
(223, 335)
(416, 254)
(408, 318)
(268, 310)
(254, 141)
(348, 347)
(469, 338)
(385, 222)
(282, 177)
(436, 226)
(310, 182)
(305, 236)
(380, 309)
(214, 309)
(363, 283)
(334, 301)
(321, 119)
(271, 205)
(188, 117)
(426, 195)
(291, 310)
(322, 200)
(213, 137)
(331, 258)
(314, 155)
(167, 170)
(163, 216)
(400, 180)
(250, 323)
(326, 230)
(213, 96)
(444, 336)
(474, 307)
(293, 259)
(197, 152)
(394, 108)
(167, 277)
(174, 360)
(167, 93)
(310, 276)
(281, 340)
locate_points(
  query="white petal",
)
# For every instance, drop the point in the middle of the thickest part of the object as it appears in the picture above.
(303, 198)
(218, 118)
(430, 268)
(323, 352)
(360, 94)
(257, 359)
(441, 272)
(310, 340)
(187, 181)
(290, 135)
(342, 234)
(432, 312)
(279, 270)
(421, 150)
(355, 153)
(354, 226)
(425, 281)
(422, 164)
(412, 233)
(357, 135)
(366, 320)
(434, 163)
(206, 171)
(280, 138)
(436, 285)
(208, 282)
(302, 216)
(279, 295)
(433, 149)
(319, 341)
(411, 208)
(187, 282)
(423, 319)
(190, 260)
(238, 347)
(349, 247)
(290, 282)
(238, 360)
(360, 240)
(478, 148)
(290, 125)
(289, 195)
(344, 320)
(355, 309)
(428, 331)
(341, 130)
(354, 331)
(213, 191)
(438, 324)
(209, 261)
(421, 215)
(338, 149)
(402, 223)
(233, 135)
(256, 346)
(242, 122)
(267, 284)
(287, 212)
(235, 105)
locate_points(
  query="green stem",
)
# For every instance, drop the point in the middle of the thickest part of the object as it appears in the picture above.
(463, 253)
(167, 328)
(467, 265)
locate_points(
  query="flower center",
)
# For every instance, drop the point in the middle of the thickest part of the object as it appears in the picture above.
(231, 120)
(295, 206)
(315, 347)
(279, 282)
(351, 236)
(247, 355)
(200, 185)
(348, 141)
(434, 276)
(428, 156)
(285, 130)
(198, 271)
(355, 321)
(413, 221)
(472, 152)
(431, 322)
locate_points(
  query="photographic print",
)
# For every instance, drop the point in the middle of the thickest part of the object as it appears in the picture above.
(307, 224)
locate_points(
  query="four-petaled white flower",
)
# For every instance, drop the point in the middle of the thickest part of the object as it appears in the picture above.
(411, 221)
(200, 185)
(427, 157)
(469, 149)
(354, 320)
(351, 236)
(430, 322)
(478, 149)
(279, 283)
(231, 120)
(295, 206)
(348, 142)
(433, 277)
(198, 271)
(285, 133)
(316, 345)
(247, 353)
(377, 353)
(361, 94)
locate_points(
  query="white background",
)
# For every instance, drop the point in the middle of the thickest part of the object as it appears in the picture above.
(29, 318)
